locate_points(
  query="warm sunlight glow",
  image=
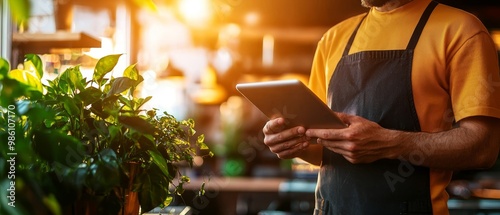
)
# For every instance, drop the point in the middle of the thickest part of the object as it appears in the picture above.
(106, 49)
(196, 12)
(252, 18)
(267, 50)
(496, 38)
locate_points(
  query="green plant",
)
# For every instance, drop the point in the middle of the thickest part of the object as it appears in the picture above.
(92, 138)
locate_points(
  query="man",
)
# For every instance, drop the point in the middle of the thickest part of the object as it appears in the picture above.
(418, 85)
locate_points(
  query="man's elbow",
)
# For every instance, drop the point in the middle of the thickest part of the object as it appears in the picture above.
(487, 162)
(488, 157)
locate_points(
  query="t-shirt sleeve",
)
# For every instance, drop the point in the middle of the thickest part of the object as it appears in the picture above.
(474, 78)
(317, 81)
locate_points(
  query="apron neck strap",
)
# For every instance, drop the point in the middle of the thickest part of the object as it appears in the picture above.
(351, 39)
(416, 33)
(420, 26)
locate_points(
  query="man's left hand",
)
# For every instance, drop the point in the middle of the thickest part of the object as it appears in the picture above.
(363, 141)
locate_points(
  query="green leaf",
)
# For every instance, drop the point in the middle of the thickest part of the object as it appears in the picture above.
(13, 89)
(55, 146)
(98, 109)
(38, 115)
(62, 86)
(73, 77)
(20, 10)
(201, 192)
(52, 204)
(111, 99)
(114, 132)
(121, 84)
(179, 190)
(27, 77)
(159, 161)
(154, 190)
(142, 101)
(104, 66)
(131, 72)
(37, 63)
(127, 102)
(108, 155)
(104, 175)
(4, 68)
(90, 95)
(112, 108)
(75, 176)
(146, 142)
(137, 123)
(167, 201)
(71, 106)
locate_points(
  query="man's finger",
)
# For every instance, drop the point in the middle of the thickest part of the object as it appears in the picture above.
(327, 134)
(274, 126)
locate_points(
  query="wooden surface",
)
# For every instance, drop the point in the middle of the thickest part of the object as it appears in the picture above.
(43, 42)
(239, 184)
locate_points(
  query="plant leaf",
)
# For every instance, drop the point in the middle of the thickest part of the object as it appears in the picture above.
(35, 61)
(90, 95)
(104, 66)
(70, 105)
(50, 201)
(55, 146)
(131, 72)
(159, 161)
(129, 105)
(104, 174)
(38, 115)
(4, 68)
(142, 101)
(114, 132)
(98, 109)
(27, 77)
(12, 89)
(73, 77)
(154, 190)
(120, 84)
(137, 123)
(20, 10)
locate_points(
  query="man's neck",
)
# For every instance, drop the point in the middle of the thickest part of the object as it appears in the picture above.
(391, 5)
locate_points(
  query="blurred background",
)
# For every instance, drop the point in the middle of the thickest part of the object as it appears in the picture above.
(191, 54)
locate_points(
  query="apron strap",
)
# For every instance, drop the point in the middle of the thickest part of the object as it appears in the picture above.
(351, 39)
(420, 26)
(416, 33)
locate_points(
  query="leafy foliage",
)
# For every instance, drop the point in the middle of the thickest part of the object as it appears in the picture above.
(84, 135)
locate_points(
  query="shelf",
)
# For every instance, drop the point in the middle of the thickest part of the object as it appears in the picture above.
(40, 43)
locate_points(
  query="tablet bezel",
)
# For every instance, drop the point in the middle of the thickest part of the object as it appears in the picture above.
(292, 100)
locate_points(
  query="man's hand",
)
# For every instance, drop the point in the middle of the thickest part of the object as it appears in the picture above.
(473, 144)
(363, 141)
(285, 143)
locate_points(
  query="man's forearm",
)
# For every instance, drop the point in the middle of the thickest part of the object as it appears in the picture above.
(472, 145)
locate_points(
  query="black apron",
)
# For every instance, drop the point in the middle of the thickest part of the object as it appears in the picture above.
(375, 85)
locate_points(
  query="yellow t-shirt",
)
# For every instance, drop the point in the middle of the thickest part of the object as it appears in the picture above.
(455, 71)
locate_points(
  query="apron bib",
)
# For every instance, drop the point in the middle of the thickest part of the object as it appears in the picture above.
(375, 85)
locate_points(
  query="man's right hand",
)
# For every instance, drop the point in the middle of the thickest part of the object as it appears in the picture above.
(285, 142)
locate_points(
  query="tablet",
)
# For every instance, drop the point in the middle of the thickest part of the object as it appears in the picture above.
(292, 100)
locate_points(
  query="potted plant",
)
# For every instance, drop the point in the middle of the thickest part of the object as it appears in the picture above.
(92, 140)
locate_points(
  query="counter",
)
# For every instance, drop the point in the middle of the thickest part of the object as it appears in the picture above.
(242, 194)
